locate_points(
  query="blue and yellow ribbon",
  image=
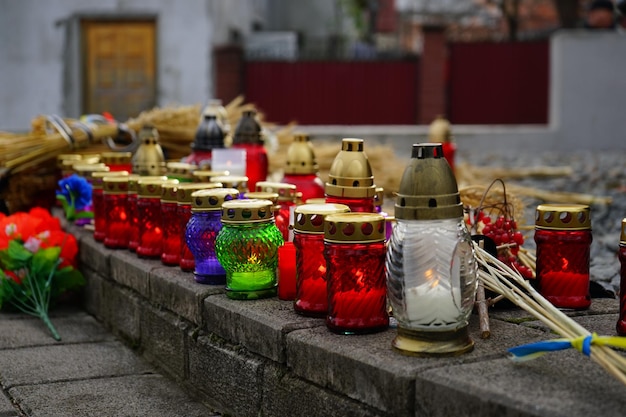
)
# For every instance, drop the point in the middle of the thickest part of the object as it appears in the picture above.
(582, 344)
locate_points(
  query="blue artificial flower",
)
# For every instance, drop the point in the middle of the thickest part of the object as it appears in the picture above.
(76, 190)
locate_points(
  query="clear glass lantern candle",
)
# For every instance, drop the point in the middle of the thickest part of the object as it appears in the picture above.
(183, 213)
(202, 230)
(172, 234)
(308, 239)
(563, 238)
(115, 191)
(621, 320)
(431, 265)
(149, 218)
(354, 249)
(301, 168)
(350, 179)
(247, 247)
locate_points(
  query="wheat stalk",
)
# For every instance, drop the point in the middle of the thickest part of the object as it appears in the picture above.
(500, 278)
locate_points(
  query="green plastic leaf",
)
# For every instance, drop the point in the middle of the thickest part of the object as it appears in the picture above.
(44, 261)
(65, 279)
(16, 256)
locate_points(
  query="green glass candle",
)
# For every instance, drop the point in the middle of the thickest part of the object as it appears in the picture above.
(247, 248)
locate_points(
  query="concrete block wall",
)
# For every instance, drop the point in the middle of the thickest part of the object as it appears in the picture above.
(259, 358)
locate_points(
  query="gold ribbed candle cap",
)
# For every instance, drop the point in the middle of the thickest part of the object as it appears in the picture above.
(169, 192)
(563, 217)
(247, 211)
(151, 187)
(354, 228)
(96, 177)
(133, 180)
(239, 182)
(115, 185)
(262, 195)
(212, 198)
(300, 156)
(186, 189)
(116, 158)
(309, 218)
(428, 188)
(203, 175)
(622, 236)
(286, 192)
(350, 174)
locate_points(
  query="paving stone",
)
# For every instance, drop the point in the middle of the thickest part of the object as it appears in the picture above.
(6, 407)
(73, 325)
(259, 325)
(560, 384)
(367, 369)
(163, 339)
(231, 379)
(178, 292)
(136, 395)
(131, 271)
(43, 364)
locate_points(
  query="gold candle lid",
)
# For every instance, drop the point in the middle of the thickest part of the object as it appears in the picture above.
(212, 198)
(562, 217)
(622, 236)
(204, 175)
(180, 170)
(117, 184)
(133, 180)
(239, 182)
(97, 177)
(286, 192)
(186, 189)
(247, 211)
(309, 218)
(262, 195)
(66, 160)
(151, 188)
(86, 170)
(316, 200)
(354, 228)
(116, 158)
(350, 174)
(169, 191)
(300, 156)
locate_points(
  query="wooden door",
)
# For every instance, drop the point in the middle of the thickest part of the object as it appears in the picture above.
(119, 67)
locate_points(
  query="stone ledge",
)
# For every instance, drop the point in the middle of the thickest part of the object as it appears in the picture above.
(250, 358)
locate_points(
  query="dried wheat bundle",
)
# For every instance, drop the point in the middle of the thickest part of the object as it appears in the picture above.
(498, 277)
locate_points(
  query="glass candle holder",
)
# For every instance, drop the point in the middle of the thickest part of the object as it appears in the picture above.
(183, 212)
(133, 222)
(247, 248)
(301, 168)
(172, 233)
(350, 179)
(621, 320)
(286, 202)
(117, 161)
(287, 272)
(149, 218)
(115, 190)
(181, 171)
(308, 239)
(431, 267)
(202, 230)
(563, 238)
(239, 182)
(203, 175)
(97, 200)
(354, 249)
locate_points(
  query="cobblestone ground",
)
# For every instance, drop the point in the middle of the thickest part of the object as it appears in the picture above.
(601, 174)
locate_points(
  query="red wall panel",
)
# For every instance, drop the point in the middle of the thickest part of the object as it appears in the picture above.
(334, 92)
(499, 83)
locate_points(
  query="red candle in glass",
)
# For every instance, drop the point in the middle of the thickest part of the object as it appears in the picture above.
(172, 233)
(97, 200)
(118, 161)
(183, 212)
(248, 136)
(350, 179)
(149, 218)
(287, 272)
(308, 239)
(133, 215)
(301, 168)
(115, 190)
(621, 321)
(563, 237)
(286, 201)
(354, 249)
